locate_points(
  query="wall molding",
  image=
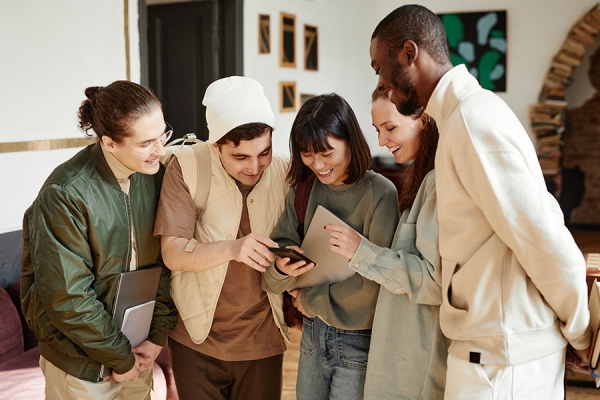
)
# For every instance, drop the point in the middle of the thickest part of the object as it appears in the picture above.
(54, 144)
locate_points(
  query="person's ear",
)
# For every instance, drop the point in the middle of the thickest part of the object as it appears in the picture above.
(215, 148)
(109, 144)
(411, 51)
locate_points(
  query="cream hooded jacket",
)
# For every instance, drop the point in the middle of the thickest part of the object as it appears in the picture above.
(513, 279)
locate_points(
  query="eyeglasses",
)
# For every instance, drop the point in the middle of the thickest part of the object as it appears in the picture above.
(151, 147)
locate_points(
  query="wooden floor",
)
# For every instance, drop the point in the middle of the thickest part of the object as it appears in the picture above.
(588, 242)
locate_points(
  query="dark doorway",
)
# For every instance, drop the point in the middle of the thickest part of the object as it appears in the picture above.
(189, 45)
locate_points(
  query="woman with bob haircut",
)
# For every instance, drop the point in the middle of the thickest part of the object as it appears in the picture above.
(328, 147)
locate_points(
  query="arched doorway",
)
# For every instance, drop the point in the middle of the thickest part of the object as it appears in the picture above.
(548, 115)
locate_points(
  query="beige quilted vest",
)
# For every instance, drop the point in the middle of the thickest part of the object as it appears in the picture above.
(218, 218)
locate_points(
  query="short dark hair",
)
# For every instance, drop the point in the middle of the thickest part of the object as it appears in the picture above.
(416, 23)
(320, 117)
(245, 132)
(424, 160)
(110, 110)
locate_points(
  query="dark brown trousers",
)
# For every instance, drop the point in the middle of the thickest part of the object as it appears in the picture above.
(200, 377)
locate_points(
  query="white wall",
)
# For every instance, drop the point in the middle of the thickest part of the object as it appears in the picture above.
(535, 32)
(344, 65)
(50, 51)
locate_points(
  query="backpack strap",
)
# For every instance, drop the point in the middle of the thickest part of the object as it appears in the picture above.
(303, 190)
(202, 151)
(196, 170)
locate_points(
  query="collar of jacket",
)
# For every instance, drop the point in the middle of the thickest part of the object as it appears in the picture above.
(102, 166)
(451, 88)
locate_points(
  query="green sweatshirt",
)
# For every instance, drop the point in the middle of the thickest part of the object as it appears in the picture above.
(370, 206)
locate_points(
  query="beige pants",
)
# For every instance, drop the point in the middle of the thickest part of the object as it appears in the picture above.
(62, 386)
(540, 379)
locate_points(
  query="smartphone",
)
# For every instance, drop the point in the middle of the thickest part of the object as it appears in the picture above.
(292, 254)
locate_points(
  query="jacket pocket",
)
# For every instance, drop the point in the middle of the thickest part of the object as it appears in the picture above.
(38, 319)
(472, 293)
(307, 345)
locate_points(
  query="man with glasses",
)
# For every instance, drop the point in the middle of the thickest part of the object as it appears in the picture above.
(93, 219)
(227, 343)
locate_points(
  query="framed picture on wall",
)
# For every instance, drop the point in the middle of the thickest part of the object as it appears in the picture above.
(304, 97)
(478, 40)
(287, 40)
(287, 96)
(264, 34)
(311, 48)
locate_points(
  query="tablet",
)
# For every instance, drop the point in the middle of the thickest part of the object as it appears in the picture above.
(333, 267)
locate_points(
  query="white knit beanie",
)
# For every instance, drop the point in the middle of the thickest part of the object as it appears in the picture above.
(235, 101)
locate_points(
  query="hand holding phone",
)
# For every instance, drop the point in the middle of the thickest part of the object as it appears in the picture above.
(294, 256)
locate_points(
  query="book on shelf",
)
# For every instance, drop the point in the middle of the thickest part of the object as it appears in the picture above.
(557, 65)
(592, 261)
(555, 79)
(593, 17)
(547, 163)
(554, 91)
(549, 148)
(551, 172)
(550, 154)
(542, 130)
(543, 140)
(547, 133)
(583, 24)
(546, 119)
(549, 109)
(594, 307)
(568, 59)
(574, 47)
(555, 102)
(582, 36)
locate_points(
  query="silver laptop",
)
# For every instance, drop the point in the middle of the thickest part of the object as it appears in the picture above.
(135, 288)
(331, 267)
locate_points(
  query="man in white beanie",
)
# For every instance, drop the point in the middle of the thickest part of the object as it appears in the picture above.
(230, 336)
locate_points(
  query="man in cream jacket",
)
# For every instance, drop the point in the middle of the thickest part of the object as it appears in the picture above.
(230, 337)
(513, 279)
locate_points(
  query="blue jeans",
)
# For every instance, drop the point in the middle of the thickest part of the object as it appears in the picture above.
(333, 362)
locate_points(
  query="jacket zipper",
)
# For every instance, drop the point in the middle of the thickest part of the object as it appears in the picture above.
(131, 227)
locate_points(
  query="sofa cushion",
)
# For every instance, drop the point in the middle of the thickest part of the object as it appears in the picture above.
(21, 378)
(29, 338)
(11, 333)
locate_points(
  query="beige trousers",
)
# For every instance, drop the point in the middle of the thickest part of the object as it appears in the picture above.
(540, 379)
(62, 386)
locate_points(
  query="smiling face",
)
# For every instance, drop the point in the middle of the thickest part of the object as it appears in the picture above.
(395, 77)
(397, 132)
(331, 165)
(247, 161)
(143, 131)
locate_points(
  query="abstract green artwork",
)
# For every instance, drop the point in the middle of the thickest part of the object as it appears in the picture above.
(478, 40)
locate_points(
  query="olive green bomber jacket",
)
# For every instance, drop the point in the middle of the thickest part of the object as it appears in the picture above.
(76, 242)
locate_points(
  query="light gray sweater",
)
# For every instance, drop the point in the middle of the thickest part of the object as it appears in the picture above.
(407, 358)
